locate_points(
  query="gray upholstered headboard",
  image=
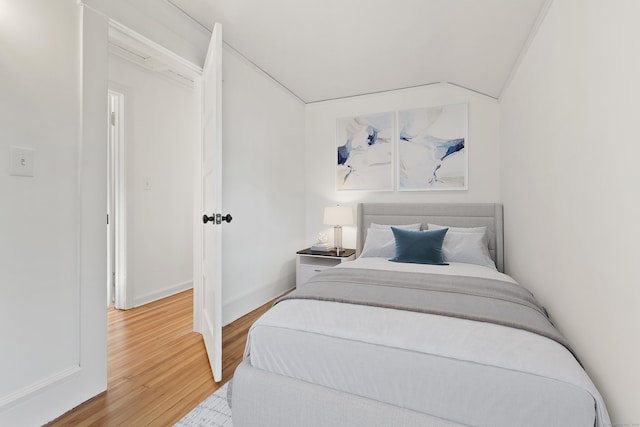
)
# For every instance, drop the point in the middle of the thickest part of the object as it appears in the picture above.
(451, 214)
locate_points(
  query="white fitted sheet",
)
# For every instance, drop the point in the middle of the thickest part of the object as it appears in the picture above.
(469, 372)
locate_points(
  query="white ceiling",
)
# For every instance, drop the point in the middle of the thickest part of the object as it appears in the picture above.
(326, 49)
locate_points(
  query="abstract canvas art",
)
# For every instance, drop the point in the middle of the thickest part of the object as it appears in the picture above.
(432, 148)
(365, 152)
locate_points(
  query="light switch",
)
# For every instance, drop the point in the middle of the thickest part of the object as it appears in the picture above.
(147, 184)
(22, 161)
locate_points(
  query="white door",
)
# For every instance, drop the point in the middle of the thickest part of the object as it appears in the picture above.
(211, 172)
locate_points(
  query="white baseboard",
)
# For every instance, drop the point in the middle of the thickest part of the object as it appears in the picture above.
(36, 387)
(249, 301)
(163, 293)
(235, 308)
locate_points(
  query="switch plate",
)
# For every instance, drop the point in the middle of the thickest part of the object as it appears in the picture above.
(22, 161)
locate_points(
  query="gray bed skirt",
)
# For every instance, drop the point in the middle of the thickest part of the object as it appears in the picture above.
(263, 399)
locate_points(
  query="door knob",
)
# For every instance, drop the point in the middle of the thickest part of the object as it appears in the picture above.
(216, 218)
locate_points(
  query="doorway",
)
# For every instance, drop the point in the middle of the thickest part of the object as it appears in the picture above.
(154, 120)
(116, 203)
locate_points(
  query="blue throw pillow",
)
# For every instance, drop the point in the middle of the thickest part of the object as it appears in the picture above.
(420, 247)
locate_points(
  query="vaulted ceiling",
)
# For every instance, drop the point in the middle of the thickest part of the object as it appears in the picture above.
(327, 49)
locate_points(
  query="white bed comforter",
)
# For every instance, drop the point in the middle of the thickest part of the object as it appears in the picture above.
(469, 372)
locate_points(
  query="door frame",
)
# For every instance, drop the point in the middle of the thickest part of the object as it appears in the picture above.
(122, 297)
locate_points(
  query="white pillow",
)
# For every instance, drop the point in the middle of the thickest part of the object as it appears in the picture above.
(388, 227)
(379, 243)
(482, 229)
(466, 244)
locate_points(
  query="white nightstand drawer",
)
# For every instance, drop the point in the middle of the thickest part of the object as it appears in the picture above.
(307, 271)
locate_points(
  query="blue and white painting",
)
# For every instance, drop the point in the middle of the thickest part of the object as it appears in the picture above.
(365, 152)
(432, 148)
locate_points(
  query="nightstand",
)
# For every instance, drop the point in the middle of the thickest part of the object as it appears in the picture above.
(308, 263)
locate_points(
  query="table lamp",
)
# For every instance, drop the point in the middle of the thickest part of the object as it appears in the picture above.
(338, 216)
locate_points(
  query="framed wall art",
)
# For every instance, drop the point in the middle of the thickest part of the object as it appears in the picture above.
(432, 148)
(365, 152)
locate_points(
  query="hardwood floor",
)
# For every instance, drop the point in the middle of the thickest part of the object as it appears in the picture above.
(158, 367)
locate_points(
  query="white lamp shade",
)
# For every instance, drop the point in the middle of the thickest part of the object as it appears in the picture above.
(338, 215)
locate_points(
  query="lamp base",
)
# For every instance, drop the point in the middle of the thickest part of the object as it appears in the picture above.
(337, 238)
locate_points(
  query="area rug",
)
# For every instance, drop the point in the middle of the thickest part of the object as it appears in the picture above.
(213, 412)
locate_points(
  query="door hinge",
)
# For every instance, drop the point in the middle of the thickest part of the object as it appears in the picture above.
(112, 118)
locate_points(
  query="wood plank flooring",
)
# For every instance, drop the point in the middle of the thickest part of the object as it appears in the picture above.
(157, 366)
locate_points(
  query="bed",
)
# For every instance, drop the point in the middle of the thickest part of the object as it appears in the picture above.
(380, 343)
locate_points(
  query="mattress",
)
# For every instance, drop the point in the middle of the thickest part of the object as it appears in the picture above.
(460, 370)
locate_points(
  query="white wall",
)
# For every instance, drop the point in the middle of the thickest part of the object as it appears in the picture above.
(569, 124)
(160, 133)
(483, 151)
(263, 186)
(52, 228)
